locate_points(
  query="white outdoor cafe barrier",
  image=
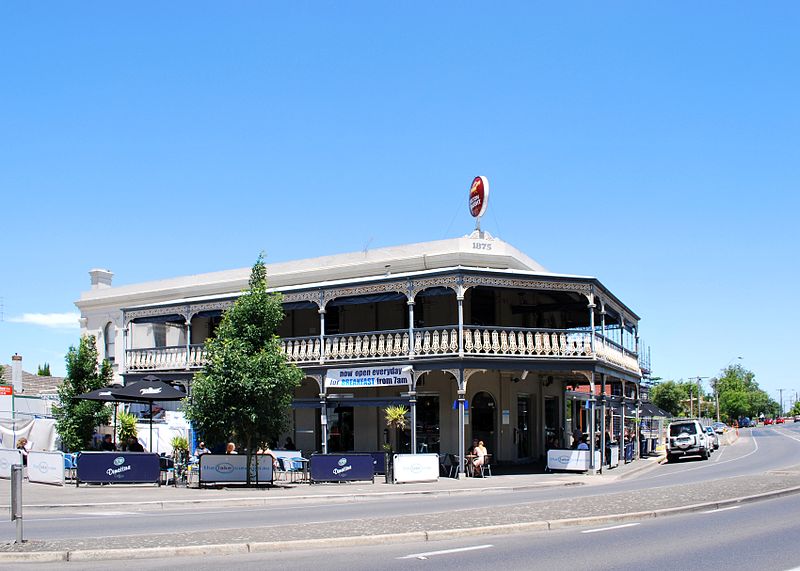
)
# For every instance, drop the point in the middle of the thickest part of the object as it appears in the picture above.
(573, 460)
(232, 468)
(9, 457)
(46, 467)
(410, 468)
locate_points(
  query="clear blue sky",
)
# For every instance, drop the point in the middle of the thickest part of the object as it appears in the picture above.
(654, 146)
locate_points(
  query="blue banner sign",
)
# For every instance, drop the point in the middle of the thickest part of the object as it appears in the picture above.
(118, 467)
(341, 467)
(379, 462)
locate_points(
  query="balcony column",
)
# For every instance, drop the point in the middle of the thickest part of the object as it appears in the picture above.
(637, 428)
(124, 367)
(460, 299)
(410, 328)
(461, 398)
(323, 401)
(591, 325)
(322, 335)
(592, 426)
(603, 326)
(603, 422)
(412, 403)
(188, 325)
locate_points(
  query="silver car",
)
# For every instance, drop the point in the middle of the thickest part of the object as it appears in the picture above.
(712, 437)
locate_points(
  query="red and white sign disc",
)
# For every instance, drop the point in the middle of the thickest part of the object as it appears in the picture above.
(478, 196)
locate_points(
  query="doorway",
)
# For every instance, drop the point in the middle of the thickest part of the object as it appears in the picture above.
(522, 435)
(483, 418)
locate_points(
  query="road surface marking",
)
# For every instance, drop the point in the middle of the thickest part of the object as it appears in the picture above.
(444, 552)
(705, 465)
(609, 528)
(722, 509)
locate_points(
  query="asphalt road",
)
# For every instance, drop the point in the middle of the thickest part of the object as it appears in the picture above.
(759, 450)
(751, 536)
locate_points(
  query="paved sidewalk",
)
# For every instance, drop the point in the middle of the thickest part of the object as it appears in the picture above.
(37, 497)
(529, 516)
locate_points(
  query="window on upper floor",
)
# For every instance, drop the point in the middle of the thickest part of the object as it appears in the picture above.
(109, 337)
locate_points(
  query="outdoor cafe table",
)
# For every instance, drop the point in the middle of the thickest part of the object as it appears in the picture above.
(470, 468)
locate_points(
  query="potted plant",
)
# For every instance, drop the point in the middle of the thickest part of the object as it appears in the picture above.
(125, 429)
(396, 420)
(180, 449)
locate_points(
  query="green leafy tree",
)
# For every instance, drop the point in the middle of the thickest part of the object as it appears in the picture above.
(740, 395)
(245, 389)
(43, 370)
(670, 396)
(77, 419)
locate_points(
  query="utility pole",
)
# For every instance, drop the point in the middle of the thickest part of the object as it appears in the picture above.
(699, 392)
(781, 393)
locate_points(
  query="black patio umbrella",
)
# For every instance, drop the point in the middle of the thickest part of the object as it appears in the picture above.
(103, 395)
(148, 390)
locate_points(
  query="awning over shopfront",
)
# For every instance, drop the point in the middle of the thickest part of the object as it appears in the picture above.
(651, 410)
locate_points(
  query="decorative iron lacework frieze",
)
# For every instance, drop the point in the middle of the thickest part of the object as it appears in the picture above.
(181, 310)
(473, 281)
(210, 306)
(451, 281)
(294, 297)
(366, 289)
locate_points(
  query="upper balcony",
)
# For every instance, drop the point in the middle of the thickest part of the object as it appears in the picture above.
(429, 343)
(454, 314)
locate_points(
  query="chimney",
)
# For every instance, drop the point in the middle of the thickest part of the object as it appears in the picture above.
(101, 278)
(16, 372)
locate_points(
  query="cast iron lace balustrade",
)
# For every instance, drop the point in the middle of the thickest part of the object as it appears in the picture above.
(502, 342)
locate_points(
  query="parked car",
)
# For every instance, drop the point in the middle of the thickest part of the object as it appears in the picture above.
(768, 421)
(720, 427)
(797, 418)
(711, 436)
(780, 420)
(687, 437)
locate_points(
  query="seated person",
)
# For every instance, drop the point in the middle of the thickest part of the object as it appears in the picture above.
(24, 447)
(134, 445)
(480, 453)
(584, 443)
(201, 449)
(107, 445)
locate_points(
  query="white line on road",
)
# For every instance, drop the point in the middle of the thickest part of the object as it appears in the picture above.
(722, 509)
(609, 528)
(444, 552)
(705, 465)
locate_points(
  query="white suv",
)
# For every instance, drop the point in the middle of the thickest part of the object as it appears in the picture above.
(687, 437)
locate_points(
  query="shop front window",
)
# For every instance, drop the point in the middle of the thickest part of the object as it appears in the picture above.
(428, 424)
(340, 433)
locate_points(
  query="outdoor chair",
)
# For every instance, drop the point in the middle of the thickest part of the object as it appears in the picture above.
(454, 462)
(486, 467)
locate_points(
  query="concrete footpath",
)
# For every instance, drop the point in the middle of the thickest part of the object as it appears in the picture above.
(541, 515)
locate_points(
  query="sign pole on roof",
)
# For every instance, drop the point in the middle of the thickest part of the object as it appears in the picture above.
(478, 199)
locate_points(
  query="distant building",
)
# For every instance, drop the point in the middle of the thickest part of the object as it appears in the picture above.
(35, 397)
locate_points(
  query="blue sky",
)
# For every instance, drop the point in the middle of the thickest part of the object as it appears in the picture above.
(651, 145)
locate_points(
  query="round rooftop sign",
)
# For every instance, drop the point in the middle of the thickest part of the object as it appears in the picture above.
(478, 196)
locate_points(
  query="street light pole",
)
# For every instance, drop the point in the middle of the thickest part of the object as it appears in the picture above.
(781, 393)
